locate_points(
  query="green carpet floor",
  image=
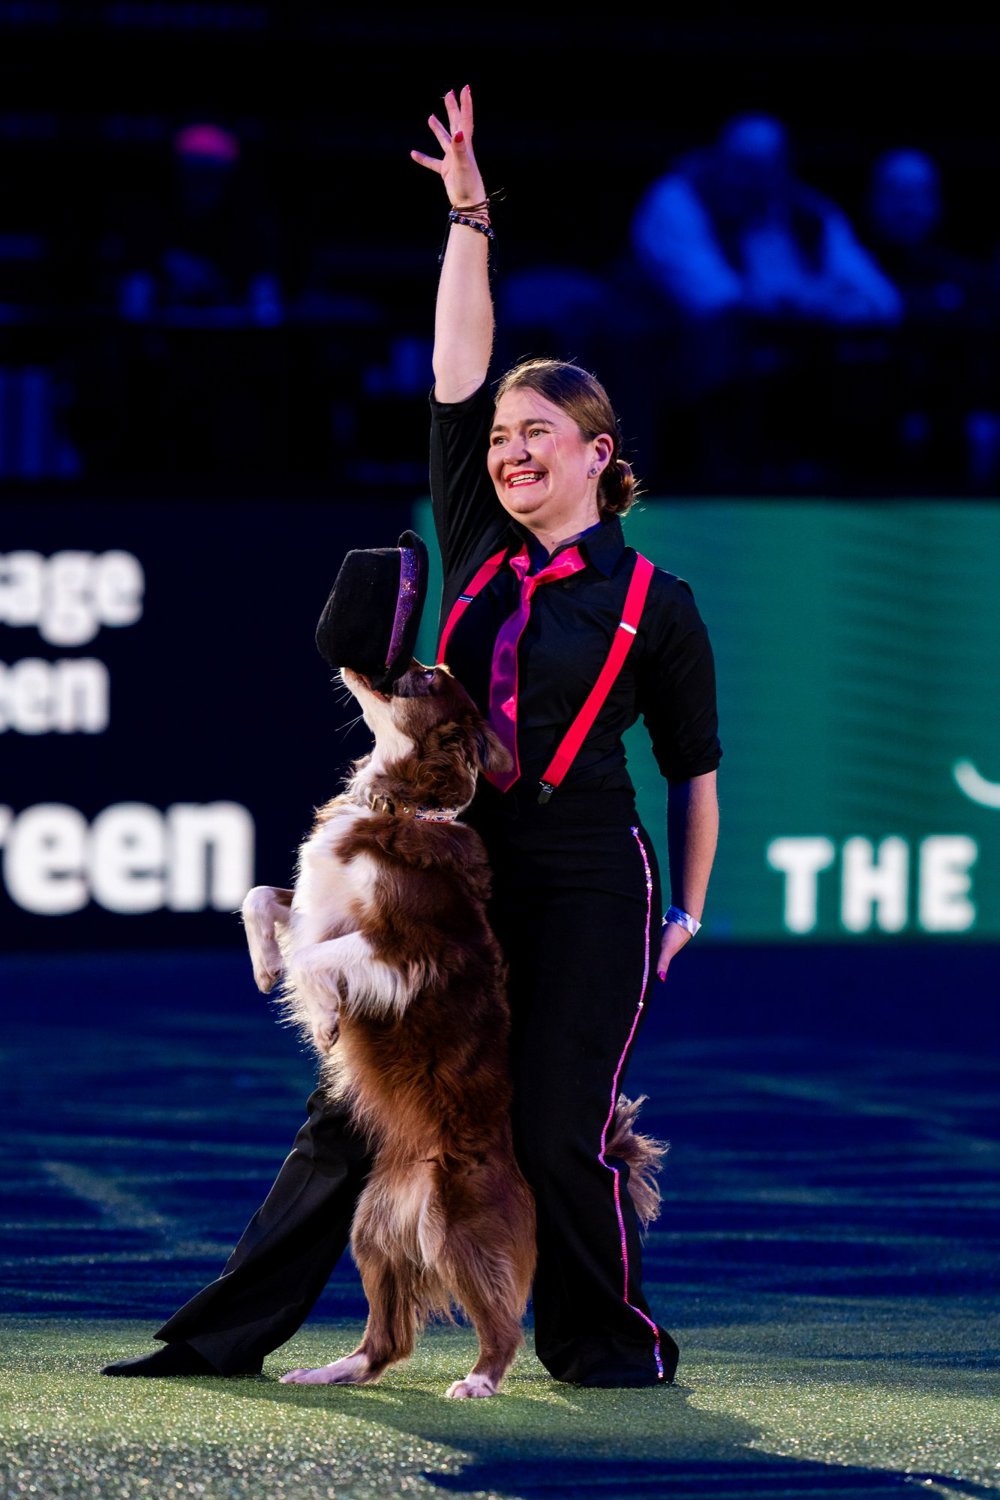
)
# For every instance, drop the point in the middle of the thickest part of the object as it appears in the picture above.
(825, 1399)
(827, 1258)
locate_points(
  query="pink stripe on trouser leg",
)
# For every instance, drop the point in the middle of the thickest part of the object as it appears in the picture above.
(611, 1114)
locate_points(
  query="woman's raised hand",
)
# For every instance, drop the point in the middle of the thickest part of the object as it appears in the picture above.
(457, 167)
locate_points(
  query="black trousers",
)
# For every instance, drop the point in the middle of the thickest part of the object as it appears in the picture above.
(576, 908)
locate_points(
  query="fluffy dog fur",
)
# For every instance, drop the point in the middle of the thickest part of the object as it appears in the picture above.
(390, 968)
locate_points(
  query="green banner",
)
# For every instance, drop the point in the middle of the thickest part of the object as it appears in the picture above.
(857, 647)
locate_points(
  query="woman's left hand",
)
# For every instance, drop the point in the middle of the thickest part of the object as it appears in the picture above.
(457, 165)
(672, 941)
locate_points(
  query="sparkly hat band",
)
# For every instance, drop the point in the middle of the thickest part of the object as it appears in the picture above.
(407, 599)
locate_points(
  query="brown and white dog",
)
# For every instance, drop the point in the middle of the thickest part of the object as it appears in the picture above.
(390, 968)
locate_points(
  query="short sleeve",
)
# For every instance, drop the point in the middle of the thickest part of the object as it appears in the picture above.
(677, 697)
(469, 520)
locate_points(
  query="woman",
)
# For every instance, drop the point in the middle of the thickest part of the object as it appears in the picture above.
(539, 476)
(576, 892)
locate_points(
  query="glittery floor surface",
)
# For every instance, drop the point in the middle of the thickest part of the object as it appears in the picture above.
(827, 1258)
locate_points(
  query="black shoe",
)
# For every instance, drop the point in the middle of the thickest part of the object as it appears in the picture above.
(172, 1359)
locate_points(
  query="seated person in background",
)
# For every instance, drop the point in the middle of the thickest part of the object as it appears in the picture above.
(730, 228)
(201, 385)
(766, 281)
(945, 426)
(209, 243)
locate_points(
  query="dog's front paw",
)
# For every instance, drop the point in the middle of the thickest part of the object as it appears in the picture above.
(266, 977)
(265, 910)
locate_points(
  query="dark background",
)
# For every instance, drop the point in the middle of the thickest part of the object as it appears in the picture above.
(242, 455)
(575, 122)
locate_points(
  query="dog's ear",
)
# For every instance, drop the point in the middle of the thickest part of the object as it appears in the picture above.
(491, 753)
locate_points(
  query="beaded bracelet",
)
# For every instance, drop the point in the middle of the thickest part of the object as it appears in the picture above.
(455, 217)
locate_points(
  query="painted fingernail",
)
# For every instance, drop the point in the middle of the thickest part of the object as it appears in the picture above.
(662, 974)
(458, 137)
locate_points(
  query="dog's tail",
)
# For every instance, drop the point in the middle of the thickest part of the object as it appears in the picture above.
(642, 1155)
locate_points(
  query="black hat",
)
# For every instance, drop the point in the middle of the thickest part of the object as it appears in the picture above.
(371, 619)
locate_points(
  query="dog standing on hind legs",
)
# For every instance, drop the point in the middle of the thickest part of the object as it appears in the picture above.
(391, 969)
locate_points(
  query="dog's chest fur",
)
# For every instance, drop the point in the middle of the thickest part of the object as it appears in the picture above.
(333, 895)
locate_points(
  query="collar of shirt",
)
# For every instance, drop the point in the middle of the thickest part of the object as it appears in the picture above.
(603, 543)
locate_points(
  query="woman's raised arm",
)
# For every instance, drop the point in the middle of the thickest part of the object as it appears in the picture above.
(463, 322)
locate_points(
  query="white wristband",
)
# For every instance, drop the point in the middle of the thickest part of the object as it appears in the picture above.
(683, 919)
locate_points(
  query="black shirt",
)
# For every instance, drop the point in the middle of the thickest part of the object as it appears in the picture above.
(668, 676)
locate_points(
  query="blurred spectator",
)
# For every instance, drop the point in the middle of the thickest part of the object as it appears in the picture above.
(766, 283)
(731, 228)
(945, 426)
(905, 199)
(35, 357)
(209, 245)
(197, 360)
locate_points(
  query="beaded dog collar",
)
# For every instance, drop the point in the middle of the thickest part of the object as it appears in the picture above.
(422, 814)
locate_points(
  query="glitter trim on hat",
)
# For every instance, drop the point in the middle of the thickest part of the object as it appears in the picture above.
(407, 599)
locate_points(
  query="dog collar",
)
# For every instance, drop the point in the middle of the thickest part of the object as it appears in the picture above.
(422, 814)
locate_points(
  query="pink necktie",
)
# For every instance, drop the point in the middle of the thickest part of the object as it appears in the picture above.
(503, 671)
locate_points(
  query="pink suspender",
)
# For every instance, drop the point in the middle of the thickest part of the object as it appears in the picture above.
(577, 732)
(461, 604)
(555, 772)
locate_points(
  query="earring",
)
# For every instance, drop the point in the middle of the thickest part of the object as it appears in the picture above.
(593, 472)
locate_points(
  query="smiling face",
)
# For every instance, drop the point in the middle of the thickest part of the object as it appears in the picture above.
(540, 464)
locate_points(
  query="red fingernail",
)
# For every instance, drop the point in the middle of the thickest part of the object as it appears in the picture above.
(458, 137)
(662, 974)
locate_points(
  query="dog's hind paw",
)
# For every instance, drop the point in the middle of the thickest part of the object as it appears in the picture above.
(471, 1386)
(351, 1370)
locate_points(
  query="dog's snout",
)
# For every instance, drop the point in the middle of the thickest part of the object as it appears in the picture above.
(416, 682)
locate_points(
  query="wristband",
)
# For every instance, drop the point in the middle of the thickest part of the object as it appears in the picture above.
(455, 217)
(682, 918)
